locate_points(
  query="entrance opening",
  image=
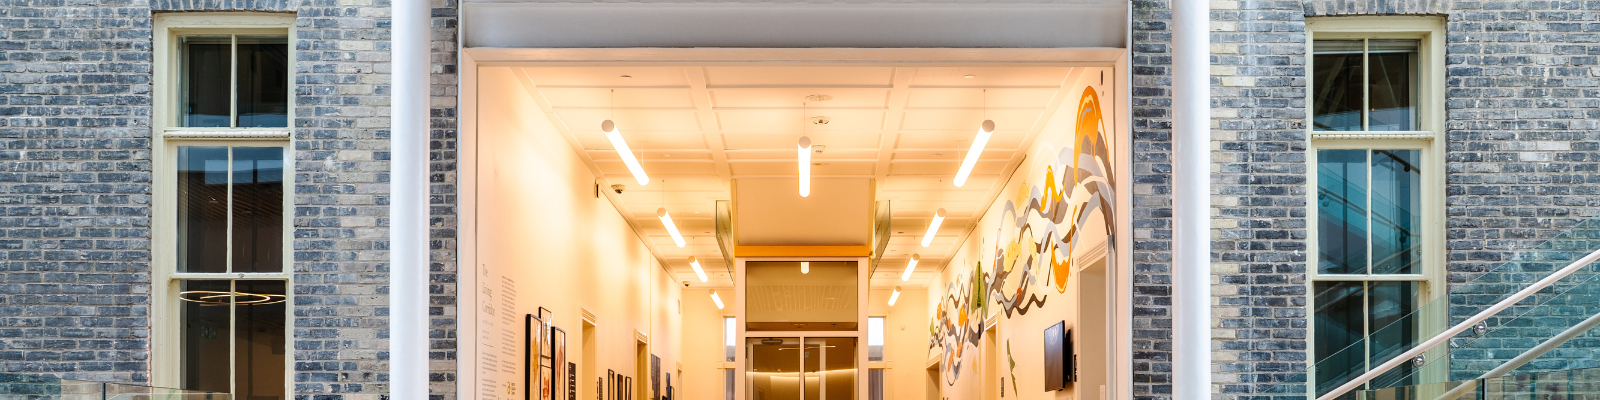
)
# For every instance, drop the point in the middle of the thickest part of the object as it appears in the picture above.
(693, 197)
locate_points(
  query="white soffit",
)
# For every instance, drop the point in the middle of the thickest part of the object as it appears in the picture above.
(1080, 24)
(770, 212)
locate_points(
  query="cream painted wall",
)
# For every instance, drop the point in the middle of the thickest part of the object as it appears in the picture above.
(905, 349)
(702, 344)
(1020, 336)
(546, 239)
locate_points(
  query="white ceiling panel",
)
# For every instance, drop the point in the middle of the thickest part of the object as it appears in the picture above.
(695, 129)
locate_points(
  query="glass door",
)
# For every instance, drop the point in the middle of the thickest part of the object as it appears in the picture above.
(819, 368)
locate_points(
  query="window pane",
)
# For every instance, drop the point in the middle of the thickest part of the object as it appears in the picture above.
(728, 375)
(875, 384)
(1339, 318)
(875, 339)
(257, 209)
(1396, 211)
(260, 342)
(263, 81)
(1342, 211)
(203, 309)
(779, 297)
(1392, 302)
(1336, 85)
(206, 72)
(202, 209)
(728, 339)
(1393, 65)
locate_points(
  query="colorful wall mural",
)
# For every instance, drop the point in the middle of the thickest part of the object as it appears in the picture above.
(1028, 250)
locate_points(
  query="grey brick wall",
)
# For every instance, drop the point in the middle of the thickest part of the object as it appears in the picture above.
(1318, 8)
(75, 177)
(1524, 169)
(1259, 219)
(1152, 202)
(341, 215)
(75, 188)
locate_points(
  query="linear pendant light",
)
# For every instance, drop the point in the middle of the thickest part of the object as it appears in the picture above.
(610, 128)
(716, 299)
(933, 228)
(666, 220)
(972, 154)
(699, 272)
(910, 267)
(894, 296)
(805, 166)
(805, 267)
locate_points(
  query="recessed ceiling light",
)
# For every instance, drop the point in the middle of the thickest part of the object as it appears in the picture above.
(819, 97)
(969, 76)
(821, 120)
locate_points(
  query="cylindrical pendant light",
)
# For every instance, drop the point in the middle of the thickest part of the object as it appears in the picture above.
(978, 142)
(612, 133)
(894, 296)
(805, 166)
(699, 272)
(911, 267)
(933, 228)
(716, 299)
(666, 220)
(805, 267)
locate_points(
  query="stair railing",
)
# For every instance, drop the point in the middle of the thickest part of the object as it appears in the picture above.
(1445, 336)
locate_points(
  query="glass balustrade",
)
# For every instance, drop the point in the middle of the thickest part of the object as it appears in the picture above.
(42, 387)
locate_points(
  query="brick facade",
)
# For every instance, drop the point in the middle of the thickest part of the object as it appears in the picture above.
(75, 178)
(75, 95)
(75, 187)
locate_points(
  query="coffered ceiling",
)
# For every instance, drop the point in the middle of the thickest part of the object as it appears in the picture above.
(697, 128)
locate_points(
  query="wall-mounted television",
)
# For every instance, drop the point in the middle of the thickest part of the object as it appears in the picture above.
(1060, 363)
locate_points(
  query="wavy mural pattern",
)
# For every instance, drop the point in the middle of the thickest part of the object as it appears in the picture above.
(1039, 231)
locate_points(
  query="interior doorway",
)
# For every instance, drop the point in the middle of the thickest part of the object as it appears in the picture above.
(641, 370)
(933, 386)
(588, 367)
(993, 387)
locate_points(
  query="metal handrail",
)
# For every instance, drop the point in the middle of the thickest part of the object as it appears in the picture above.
(1462, 327)
(1527, 356)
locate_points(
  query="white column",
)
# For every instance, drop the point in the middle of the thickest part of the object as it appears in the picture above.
(408, 203)
(1191, 200)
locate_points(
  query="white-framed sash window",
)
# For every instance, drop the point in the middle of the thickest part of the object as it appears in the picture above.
(222, 277)
(1375, 192)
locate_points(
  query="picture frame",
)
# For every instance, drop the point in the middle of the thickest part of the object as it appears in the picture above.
(533, 331)
(558, 362)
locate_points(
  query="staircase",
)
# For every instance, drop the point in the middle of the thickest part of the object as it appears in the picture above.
(1523, 328)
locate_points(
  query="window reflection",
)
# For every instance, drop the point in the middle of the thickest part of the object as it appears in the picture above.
(1342, 211)
(1364, 84)
(202, 209)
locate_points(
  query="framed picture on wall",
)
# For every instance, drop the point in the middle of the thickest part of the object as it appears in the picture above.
(558, 363)
(655, 377)
(611, 384)
(533, 330)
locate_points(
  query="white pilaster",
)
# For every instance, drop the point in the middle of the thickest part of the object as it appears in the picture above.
(1191, 200)
(408, 203)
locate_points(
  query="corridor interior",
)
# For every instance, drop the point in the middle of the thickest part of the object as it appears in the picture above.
(800, 230)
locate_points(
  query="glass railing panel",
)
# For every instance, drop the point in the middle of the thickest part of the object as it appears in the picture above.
(115, 391)
(1516, 331)
(1572, 384)
(45, 387)
(1471, 290)
(42, 387)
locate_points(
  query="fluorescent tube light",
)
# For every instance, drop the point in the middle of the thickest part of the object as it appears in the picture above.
(972, 154)
(666, 220)
(610, 128)
(695, 263)
(805, 166)
(911, 266)
(715, 299)
(894, 296)
(933, 228)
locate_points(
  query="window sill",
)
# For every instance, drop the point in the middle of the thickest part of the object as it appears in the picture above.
(227, 133)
